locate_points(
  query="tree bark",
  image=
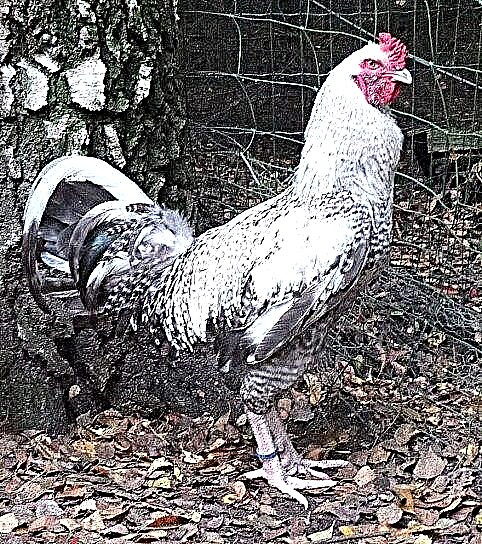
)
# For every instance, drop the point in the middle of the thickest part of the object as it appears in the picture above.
(89, 77)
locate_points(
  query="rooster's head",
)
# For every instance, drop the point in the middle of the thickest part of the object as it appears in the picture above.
(379, 70)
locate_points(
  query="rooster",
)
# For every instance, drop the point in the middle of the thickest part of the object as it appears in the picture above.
(268, 283)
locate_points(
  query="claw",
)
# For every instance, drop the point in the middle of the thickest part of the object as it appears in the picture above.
(253, 474)
(303, 469)
(298, 483)
(281, 462)
(290, 484)
(309, 466)
(288, 487)
(325, 463)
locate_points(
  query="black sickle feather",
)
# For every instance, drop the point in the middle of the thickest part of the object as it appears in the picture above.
(30, 266)
(96, 243)
(82, 196)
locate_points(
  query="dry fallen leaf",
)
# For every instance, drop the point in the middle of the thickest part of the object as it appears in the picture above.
(422, 539)
(404, 433)
(442, 523)
(478, 519)
(73, 492)
(112, 511)
(43, 523)
(222, 421)
(322, 536)
(229, 498)
(218, 443)
(435, 338)
(389, 515)
(267, 509)
(360, 530)
(157, 464)
(191, 458)
(196, 517)
(8, 523)
(315, 387)
(93, 522)
(119, 529)
(32, 492)
(284, 407)
(471, 451)
(164, 483)
(427, 516)
(239, 489)
(170, 520)
(157, 534)
(48, 507)
(404, 494)
(70, 524)
(364, 476)
(358, 458)
(462, 513)
(378, 455)
(85, 448)
(429, 465)
(453, 505)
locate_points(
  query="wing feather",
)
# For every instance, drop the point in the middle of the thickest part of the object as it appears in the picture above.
(315, 301)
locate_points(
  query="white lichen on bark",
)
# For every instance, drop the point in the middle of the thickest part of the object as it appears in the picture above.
(144, 82)
(6, 95)
(85, 10)
(86, 84)
(4, 41)
(55, 129)
(13, 167)
(67, 124)
(114, 147)
(78, 140)
(36, 86)
(132, 5)
(47, 62)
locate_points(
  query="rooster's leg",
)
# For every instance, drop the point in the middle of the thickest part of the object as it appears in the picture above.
(291, 461)
(272, 469)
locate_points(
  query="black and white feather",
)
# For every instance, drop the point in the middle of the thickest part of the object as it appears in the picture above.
(88, 223)
(265, 280)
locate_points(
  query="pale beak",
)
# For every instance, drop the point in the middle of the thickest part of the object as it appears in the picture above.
(403, 76)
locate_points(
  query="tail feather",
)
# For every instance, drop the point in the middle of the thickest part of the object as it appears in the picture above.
(88, 221)
(78, 169)
(145, 238)
(111, 214)
(85, 195)
(30, 264)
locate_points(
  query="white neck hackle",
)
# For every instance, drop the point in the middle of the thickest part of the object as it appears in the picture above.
(349, 144)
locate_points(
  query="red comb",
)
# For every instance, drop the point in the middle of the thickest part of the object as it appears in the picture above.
(395, 49)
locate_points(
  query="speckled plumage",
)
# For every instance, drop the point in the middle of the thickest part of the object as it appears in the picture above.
(271, 281)
(316, 239)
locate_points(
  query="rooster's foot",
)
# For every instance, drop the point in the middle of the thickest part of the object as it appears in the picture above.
(291, 461)
(297, 465)
(287, 484)
(273, 472)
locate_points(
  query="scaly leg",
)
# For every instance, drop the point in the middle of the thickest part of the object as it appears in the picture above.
(272, 468)
(291, 460)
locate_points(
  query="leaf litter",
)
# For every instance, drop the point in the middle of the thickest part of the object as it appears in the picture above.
(119, 479)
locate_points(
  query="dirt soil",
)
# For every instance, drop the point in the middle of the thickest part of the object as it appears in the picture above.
(413, 472)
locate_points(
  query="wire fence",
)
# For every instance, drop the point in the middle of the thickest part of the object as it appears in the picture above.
(251, 70)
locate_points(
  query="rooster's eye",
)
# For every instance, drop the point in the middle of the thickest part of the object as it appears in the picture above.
(372, 64)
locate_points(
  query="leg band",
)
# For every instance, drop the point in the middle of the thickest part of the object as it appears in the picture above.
(267, 456)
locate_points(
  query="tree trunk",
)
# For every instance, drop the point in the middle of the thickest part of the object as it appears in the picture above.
(97, 78)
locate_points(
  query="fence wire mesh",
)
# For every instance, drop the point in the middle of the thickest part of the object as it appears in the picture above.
(251, 70)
